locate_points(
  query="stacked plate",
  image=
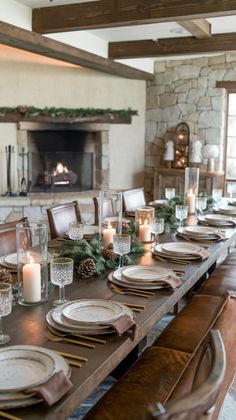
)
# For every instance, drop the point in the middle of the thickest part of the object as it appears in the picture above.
(9, 261)
(141, 276)
(24, 367)
(200, 233)
(87, 316)
(228, 209)
(178, 251)
(219, 220)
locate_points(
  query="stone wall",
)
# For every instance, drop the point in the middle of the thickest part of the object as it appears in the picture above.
(185, 90)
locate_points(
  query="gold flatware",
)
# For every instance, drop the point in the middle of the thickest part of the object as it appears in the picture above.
(72, 356)
(75, 364)
(56, 338)
(9, 416)
(85, 337)
(143, 292)
(134, 305)
(129, 292)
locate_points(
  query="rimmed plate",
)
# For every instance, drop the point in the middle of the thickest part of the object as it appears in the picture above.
(117, 278)
(227, 210)
(90, 312)
(61, 321)
(10, 400)
(180, 247)
(173, 255)
(200, 230)
(22, 369)
(145, 273)
(219, 218)
(11, 259)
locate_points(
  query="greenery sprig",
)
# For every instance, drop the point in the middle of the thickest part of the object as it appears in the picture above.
(31, 111)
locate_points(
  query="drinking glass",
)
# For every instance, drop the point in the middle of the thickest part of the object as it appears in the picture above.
(169, 193)
(230, 188)
(181, 213)
(5, 308)
(61, 272)
(201, 204)
(121, 246)
(157, 226)
(217, 195)
(76, 230)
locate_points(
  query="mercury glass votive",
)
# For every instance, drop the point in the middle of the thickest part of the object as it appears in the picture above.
(143, 218)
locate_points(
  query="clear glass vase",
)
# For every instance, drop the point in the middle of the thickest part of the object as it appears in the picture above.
(110, 216)
(32, 262)
(191, 181)
(143, 219)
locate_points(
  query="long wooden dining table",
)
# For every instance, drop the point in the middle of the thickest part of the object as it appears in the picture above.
(27, 325)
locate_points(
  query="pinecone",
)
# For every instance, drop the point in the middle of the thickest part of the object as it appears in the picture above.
(108, 253)
(5, 276)
(87, 268)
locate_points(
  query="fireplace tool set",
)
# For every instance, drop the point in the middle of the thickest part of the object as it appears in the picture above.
(24, 183)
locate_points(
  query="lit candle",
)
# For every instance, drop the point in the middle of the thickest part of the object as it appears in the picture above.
(108, 236)
(191, 201)
(145, 232)
(32, 282)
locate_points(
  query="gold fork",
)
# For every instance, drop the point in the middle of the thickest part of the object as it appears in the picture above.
(55, 338)
(85, 337)
(131, 292)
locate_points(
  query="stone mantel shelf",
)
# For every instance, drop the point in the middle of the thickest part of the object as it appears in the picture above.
(108, 119)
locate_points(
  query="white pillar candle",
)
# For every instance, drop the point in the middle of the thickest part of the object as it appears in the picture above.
(108, 236)
(191, 198)
(32, 282)
(145, 233)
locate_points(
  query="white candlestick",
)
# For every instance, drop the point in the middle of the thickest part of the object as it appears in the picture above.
(32, 282)
(191, 198)
(145, 233)
(108, 236)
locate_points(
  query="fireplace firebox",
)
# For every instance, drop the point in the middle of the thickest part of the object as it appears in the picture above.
(60, 160)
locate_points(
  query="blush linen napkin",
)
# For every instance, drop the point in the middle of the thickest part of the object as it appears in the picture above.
(52, 390)
(124, 324)
(172, 281)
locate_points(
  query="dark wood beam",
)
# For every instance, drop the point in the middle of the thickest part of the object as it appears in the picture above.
(104, 119)
(199, 28)
(110, 13)
(172, 46)
(38, 44)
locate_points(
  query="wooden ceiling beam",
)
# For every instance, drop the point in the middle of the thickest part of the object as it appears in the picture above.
(172, 46)
(38, 44)
(199, 28)
(113, 13)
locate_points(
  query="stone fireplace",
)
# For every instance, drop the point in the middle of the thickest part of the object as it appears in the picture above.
(63, 157)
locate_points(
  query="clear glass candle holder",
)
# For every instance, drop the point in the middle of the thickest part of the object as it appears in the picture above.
(110, 216)
(191, 181)
(32, 262)
(143, 218)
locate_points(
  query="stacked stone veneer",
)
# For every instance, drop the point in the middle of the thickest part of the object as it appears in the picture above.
(186, 91)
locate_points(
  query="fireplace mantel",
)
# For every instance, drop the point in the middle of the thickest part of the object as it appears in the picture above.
(101, 119)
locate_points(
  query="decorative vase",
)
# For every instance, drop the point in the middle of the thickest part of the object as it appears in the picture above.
(191, 181)
(110, 216)
(32, 262)
(143, 218)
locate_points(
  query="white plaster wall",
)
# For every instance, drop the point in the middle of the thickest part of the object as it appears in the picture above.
(33, 80)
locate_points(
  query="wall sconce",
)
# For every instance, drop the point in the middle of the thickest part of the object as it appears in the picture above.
(182, 146)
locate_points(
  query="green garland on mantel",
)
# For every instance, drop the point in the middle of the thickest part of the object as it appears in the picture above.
(31, 111)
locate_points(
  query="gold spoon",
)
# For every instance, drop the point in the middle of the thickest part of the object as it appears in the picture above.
(55, 338)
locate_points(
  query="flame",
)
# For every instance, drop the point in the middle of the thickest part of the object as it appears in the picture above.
(60, 168)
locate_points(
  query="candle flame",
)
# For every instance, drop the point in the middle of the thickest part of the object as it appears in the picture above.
(30, 258)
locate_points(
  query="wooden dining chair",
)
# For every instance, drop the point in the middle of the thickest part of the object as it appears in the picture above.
(8, 236)
(107, 209)
(199, 403)
(60, 216)
(133, 199)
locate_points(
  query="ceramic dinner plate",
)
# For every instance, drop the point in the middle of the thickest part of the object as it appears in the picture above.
(11, 259)
(158, 250)
(58, 318)
(22, 369)
(90, 312)
(200, 230)
(145, 273)
(218, 218)
(117, 278)
(228, 210)
(14, 399)
(180, 247)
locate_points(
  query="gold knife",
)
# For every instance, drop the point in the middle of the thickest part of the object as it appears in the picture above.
(72, 356)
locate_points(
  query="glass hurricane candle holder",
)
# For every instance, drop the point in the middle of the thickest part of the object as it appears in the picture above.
(110, 216)
(191, 181)
(143, 218)
(32, 262)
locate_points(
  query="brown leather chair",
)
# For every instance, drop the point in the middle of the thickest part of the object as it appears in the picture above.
(60, 216)
(133, 199)
(199, 404)
(8, 236)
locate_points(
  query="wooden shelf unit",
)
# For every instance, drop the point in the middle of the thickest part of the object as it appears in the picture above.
(168, 177)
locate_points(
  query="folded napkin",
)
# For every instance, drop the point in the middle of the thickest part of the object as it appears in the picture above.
(172, 281)
(124, 324)
(52, 390)
(203, 253)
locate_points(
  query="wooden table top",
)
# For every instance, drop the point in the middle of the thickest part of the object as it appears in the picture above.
(27, 325)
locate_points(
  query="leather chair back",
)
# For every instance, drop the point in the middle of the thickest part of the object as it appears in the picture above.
(8, 236)
(60, 216)
(133, 199)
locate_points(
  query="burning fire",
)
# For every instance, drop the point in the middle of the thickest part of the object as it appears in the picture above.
(60, 169)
